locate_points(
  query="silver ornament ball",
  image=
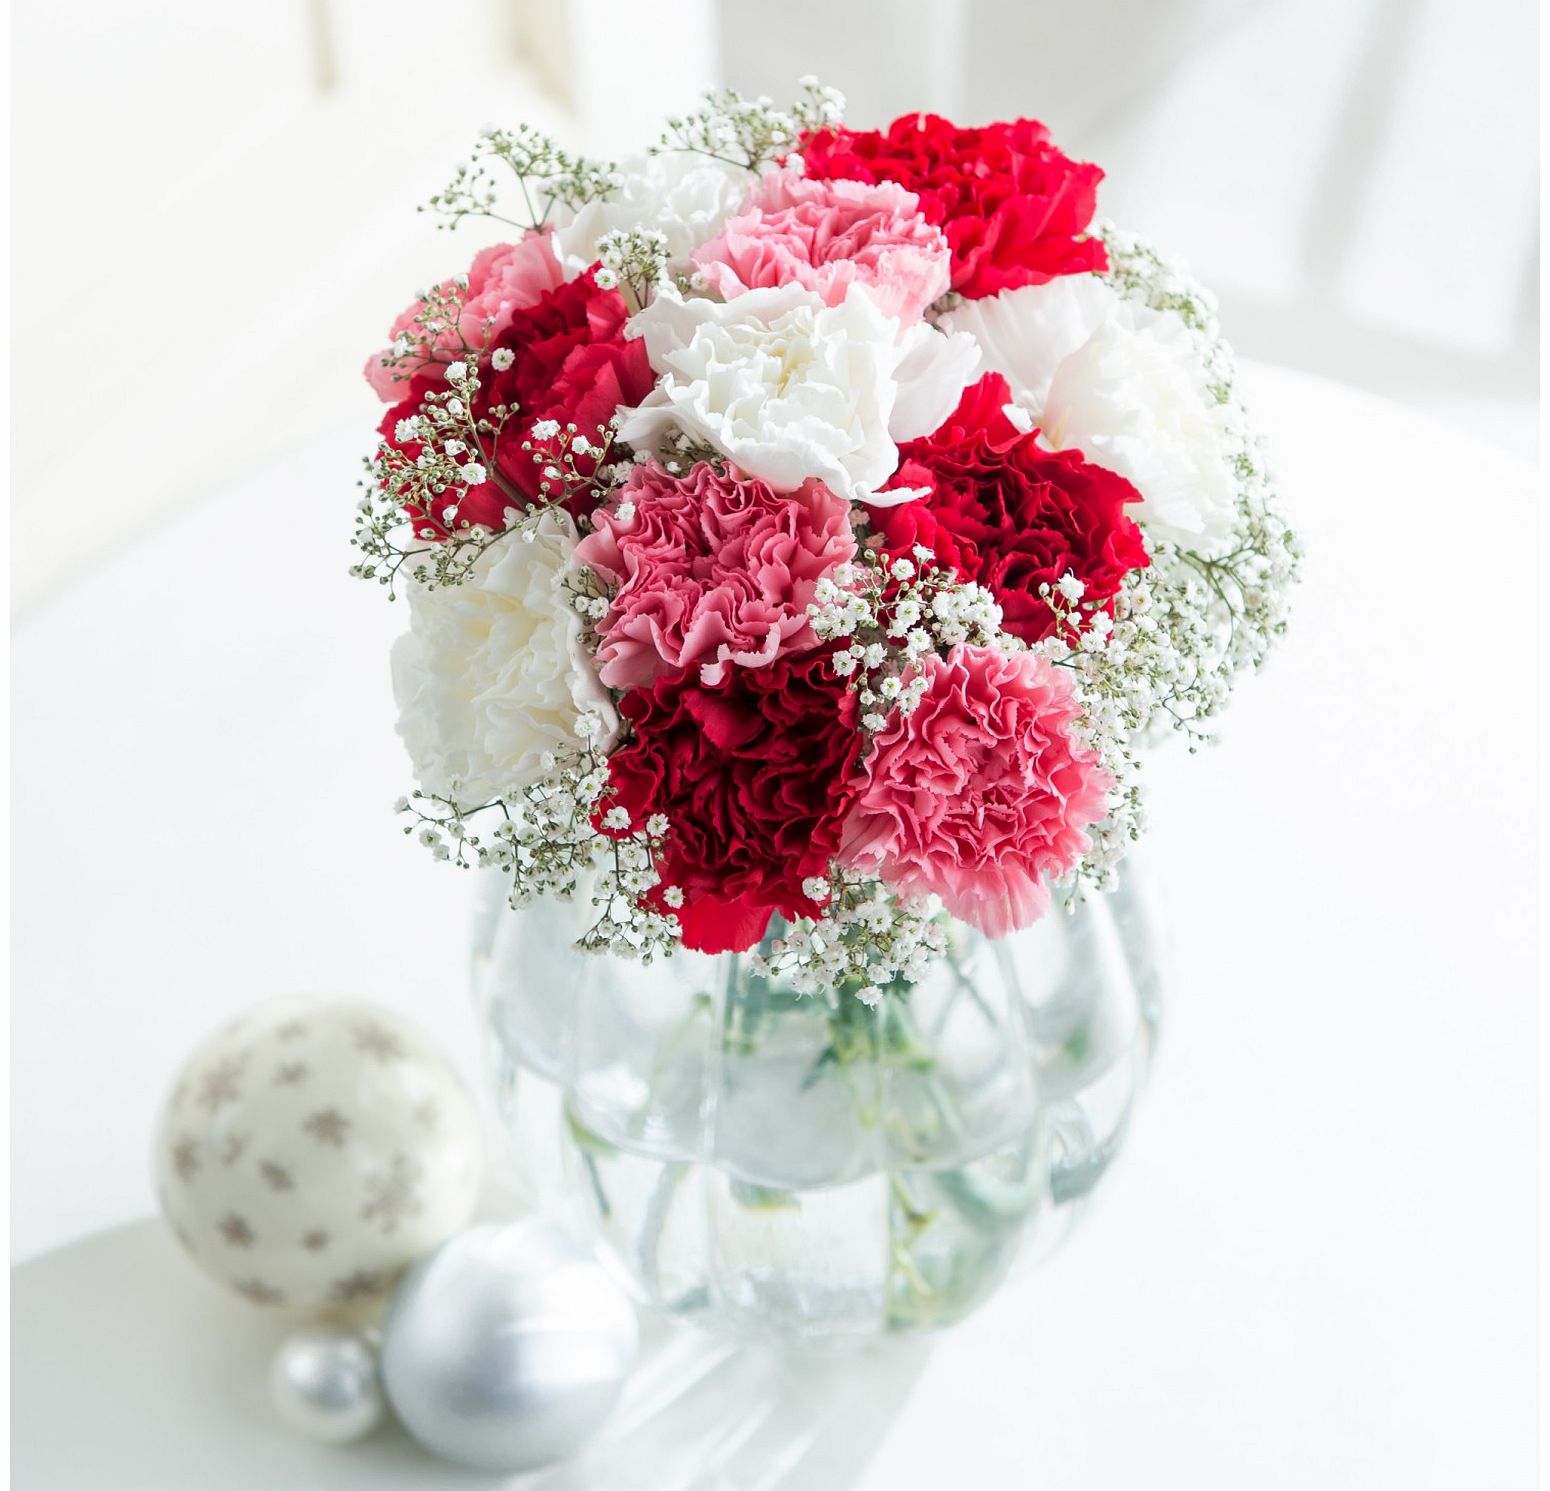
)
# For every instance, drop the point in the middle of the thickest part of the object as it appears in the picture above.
(507, 1348)
(324, 1385)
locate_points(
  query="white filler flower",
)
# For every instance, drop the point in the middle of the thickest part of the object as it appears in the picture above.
(686, 197)
(1126, 385)
(492, 675)
(788, 388)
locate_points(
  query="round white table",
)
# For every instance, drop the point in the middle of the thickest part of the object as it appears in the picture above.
(1316, 1263)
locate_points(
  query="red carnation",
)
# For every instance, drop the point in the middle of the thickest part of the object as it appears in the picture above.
(1013, 207)
(570, 363)
(755, 775)
(1005, 512)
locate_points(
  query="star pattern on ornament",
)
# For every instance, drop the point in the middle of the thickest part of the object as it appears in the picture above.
(236, 1231)
(327, 1126)
(315, 1240)
(377, 1041)
(428, 1116)
(290, 1073)
(259, 1292)
(364, 1283)
(292, 1030)
(276, 1177)
(233, 1149)
(391, 1198)
(185, 1158)
(222, 1083)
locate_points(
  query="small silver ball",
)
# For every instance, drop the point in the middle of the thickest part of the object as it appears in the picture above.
(324, 1385)
(507, 1348)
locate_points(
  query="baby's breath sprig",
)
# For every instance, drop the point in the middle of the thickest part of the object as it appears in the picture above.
(869, 940)
(545, 174)
(1224, 607)
(1097, 647)
(587, 594)
(818, 106)
(576, 464)
(436, 335)
(633, 261)
(680, 453)
(544, 837)
(410, 492)
(895, 611)
(751, 133)
(403, 519)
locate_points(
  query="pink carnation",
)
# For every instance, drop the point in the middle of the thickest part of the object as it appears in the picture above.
(712, 569)
(829, 235)
(503, 279)
(981, 793)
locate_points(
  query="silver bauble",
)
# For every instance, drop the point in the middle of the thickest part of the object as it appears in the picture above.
(507, 1348)
(324, 1385)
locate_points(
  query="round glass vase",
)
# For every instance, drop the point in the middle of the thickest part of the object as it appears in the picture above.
(766, 1163)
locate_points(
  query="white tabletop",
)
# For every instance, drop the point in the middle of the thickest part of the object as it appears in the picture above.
(1315, 1266)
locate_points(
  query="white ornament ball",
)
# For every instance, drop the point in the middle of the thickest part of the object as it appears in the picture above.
(324, 1385)
(312, 1149)
(507, 1348)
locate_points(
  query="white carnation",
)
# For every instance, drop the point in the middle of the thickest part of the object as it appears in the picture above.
(1026, 334)
(492, 674)
(789, 388)
(686, 197)
(1126, 385)
(1133, 397)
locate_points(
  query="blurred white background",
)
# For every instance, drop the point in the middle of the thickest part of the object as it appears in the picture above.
(219, 200)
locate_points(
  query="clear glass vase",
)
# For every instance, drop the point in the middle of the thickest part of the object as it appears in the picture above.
(782, 1165)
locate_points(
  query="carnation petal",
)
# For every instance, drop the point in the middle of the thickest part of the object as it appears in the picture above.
(1012, 515)
(789, 388)
(1025, 334)
(829, 236)
(932, 376)
(894, 496)
(982, 794)
(682, 194)
(503, 279)
(723, 924)
(493, 675)
(1013, 206)
(710, 569)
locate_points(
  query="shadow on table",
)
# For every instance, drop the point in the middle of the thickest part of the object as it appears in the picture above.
(129, 1370)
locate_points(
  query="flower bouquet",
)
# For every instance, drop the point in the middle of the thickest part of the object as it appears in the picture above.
(805, 532)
